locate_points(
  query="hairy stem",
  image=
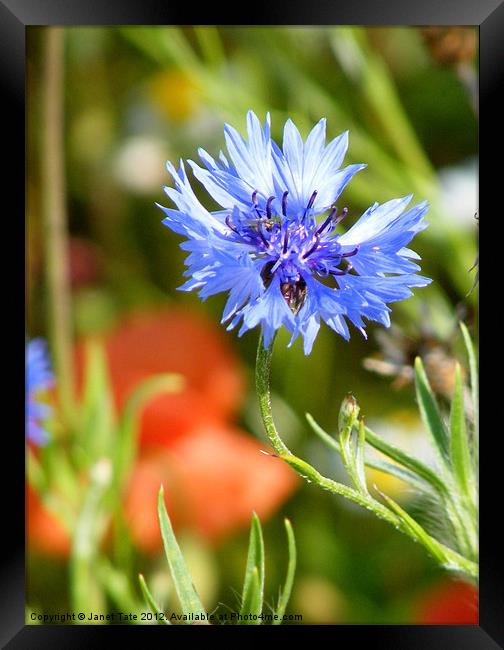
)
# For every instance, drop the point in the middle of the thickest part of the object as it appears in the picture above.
(450, 557)
(263, 371)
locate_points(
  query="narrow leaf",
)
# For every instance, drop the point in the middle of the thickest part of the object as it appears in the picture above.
(188, 597)
(128, 426)
(291, 570)
(450, 559)
(323, 435)
(359, 456)
(473, 370)
(252, 600)
(98, 412)
(459, 443)
(253, 587)
(429, 411)
(149, 599)
(406, 460)
(417, 481)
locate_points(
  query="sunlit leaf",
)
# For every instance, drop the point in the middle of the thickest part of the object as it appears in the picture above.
(188, 597)
(151, 602)
(429, 411)
(253, 584)
(291, 570)
(459, 442)
(473, 370)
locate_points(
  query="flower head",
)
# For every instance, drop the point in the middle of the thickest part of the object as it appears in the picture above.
(38, 378)
(275, 245)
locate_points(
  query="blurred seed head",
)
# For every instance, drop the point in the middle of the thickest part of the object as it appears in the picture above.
(450, 45)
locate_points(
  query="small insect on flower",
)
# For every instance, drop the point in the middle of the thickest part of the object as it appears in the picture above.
(38, 378)
(274, 245)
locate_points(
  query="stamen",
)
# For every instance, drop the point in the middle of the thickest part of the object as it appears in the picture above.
(261, 235)
(311, 201)
(230, 225)
(313, 248)
(284, 203)
(268, 206)
(286, 241)
(343, 214)
(326, 222)
(351, 253)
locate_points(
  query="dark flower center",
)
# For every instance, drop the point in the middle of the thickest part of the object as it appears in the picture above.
(294, 294)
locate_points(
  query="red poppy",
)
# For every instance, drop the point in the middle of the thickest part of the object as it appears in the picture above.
(179, 341)
(449, 602)
(45, 533)
(214, 475)
(214, 478)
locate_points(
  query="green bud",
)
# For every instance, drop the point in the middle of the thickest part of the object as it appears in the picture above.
(349, 412)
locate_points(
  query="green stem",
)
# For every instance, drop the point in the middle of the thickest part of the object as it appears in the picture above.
(263, 371)
(54, 214)
(311, 475)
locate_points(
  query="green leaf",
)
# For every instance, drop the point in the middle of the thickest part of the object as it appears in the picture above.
(444, 555)
(409, 462)
(116, 584)
(473, 370)
(399, 472)
(285, 593)
(253, 584)
(98, 413)
(359, 457)
(323, 435)
(188, 597)
(416, 473)
(252, 600)
(125, 450)
(459, 443)
(149, 599)
(86, 590)
(429, 411)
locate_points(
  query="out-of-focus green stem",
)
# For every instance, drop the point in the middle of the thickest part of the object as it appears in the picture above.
(86, 590)
(54, 214)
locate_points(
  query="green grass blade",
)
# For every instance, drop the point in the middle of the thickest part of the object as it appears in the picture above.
(473, 370)
(98, 412)
(359, 456)
(445, 556)
(291, 570)
(409, 462)
(415, 472)
(429, 411)
(459, 442)
(125, 451)
(253, 584)
(187, 595)
(401, 473)
(117, 585)
(323, 435)
(252, 600)
(85, 588)
(149, 599)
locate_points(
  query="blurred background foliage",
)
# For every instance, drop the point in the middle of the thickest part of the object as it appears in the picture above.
(135, 97)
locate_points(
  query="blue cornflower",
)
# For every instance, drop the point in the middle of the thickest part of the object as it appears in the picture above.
(38, 378)
(275, 246)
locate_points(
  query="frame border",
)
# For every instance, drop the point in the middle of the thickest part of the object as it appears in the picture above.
(15, 16)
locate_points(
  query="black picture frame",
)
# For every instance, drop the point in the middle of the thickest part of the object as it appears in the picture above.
(15, 17)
